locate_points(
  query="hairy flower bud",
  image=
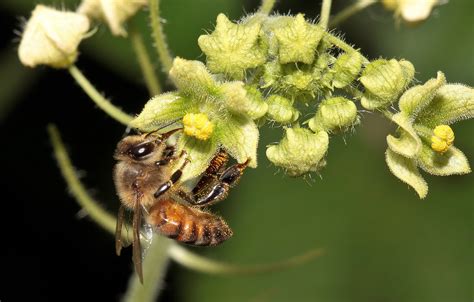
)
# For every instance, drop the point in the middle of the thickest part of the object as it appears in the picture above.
(244, 99)
(114, 12)
(384, 81)
(411, 11)
(232, 48)
(281, 110)
(334, 114)
(298, 40)
(51, 37)
(300, 151)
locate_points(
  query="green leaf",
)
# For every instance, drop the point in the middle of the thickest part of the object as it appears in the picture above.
(239, 136)
(418, 97)
(300, 151)
(409, 143)
(199, 152)
(451, 162)
(405, 169)
(161, 110)
(452, 103)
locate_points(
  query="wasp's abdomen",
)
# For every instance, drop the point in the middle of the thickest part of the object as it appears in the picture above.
(188, 225)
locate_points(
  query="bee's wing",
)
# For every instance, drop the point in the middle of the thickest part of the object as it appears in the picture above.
(120, 240)
(137, 251)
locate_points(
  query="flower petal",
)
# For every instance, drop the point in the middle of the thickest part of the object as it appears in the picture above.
(199, 153)
(405, 169)
(160, 110)
(452, 103)
(418, 97)
(451, 162)
(408, 144)
(244, 99)
(239, 136)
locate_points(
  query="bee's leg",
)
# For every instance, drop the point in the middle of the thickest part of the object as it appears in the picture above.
(169, 156)
(211, 175)
(173, 179)
(219, 190)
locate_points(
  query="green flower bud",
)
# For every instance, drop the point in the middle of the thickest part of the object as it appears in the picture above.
(244, 99)
(384, 81)
(233, 48)
(334, 114)
(281, 110)
(300, 151)
(346, 68)
(192, 78)
(298, 40)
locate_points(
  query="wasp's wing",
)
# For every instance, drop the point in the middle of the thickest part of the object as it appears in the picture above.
(137, 251)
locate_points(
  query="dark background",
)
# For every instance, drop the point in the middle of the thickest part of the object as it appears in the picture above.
(383, 244)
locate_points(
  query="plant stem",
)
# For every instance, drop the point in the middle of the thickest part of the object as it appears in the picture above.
(151, 80)
(349, 11)
(78, 191)
(344, 46)
(267, 6)
(154, 269)
(160, 40)
(325, 13)
(100, 101)
(204, 265)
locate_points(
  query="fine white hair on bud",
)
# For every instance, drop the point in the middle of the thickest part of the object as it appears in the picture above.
(51, 37)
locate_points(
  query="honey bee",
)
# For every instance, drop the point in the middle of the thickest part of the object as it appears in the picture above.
(147, 184)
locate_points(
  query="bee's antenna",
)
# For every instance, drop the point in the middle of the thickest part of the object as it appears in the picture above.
(162, 127)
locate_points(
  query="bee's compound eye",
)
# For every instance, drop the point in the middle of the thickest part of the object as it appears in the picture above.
(142, 150)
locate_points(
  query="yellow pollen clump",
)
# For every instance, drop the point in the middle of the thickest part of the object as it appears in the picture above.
(442, 139)
(198, 125)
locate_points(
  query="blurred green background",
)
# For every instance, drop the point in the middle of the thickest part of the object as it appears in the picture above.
(383, 244)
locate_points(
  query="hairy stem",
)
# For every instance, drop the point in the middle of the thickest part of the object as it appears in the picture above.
(151, 80)
(344, 46)
(325, 13)
(77, 189)
(158, 35)
(205, 265)
(267, 6)
(154, 270)
(349, 11)
(98, 98)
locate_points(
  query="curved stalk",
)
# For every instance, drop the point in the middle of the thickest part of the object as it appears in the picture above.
(77, 189)
(143, 58)
(325, 13)
(349, 11)
(158, 35)
(201, 264)
(98, 98)
(344, 46)
(266, 7)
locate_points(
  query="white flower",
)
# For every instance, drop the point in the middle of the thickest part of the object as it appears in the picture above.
(113, 12)
(51, 37)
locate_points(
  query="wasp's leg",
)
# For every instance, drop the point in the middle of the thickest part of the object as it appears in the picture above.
(173, 179)
(219, 189)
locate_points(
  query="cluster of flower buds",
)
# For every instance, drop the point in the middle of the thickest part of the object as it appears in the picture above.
(51, 37)
(270, 68)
